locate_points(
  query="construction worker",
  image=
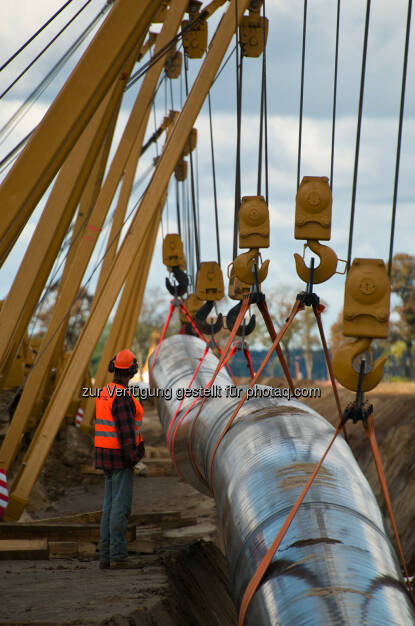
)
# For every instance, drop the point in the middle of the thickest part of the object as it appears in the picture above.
(118, 447)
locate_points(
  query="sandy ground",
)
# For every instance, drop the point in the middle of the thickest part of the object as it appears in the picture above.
(75, 591)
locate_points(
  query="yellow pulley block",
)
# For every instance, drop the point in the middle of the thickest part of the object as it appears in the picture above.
(191, 143)
(313, 209)
(195, 38)
(253, 223)
(192, 304)
(180, 171)
(345, 371)
(366, 299)
(173, 64)
(253, 32)
(243, 266)
(161, 14)
(209, 282)
(173, 254)
(325, 269)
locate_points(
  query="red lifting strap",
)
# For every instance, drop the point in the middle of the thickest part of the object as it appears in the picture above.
(317, 312)
(264, 564)
(262, 306)
(166, 324)
(238, 322)
(184, 415)
(249, 362)
(370, 432)
(297, 306)
(188, 387)
(184, 310)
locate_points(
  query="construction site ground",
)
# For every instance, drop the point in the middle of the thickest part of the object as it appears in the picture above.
(181, 575)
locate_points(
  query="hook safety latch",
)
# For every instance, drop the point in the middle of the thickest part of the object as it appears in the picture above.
(326, 268)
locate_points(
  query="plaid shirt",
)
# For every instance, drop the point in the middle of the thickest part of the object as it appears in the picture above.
(123, 412)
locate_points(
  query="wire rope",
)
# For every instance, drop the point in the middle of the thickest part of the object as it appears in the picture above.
(265, 110)
(359, 126)
(333, 124)
(300, 124)
(399, 140)
(94, 270)
(263, 125)
(195, 226)
(22, 47)
(238, 77)
(215, 198)
(37, 92)
(37, 57)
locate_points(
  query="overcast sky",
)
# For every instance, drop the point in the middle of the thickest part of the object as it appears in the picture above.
(378, 139)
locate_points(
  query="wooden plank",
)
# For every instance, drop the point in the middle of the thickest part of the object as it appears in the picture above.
(57, 532)
(69, 549)
(23, 549)
(91, 517)
(165, 519)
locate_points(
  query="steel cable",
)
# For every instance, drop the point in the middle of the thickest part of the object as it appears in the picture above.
(37, 92)
(215, 199)
(23, 72)
(10, 59)
(398, 146)
(238, 72)
(300, 124)
(359, 126)
(195, 225)
(333, 125)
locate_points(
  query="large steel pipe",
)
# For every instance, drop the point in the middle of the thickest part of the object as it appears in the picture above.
(335, 565)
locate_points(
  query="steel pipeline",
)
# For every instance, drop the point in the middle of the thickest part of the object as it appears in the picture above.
(336, 565)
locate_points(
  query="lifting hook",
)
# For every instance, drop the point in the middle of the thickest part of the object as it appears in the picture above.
(346, 374)
(200, 319)
(182, 279)
(325, 269)
(245, 328)
(243, 266)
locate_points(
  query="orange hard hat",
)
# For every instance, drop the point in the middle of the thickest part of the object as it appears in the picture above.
(124, 359)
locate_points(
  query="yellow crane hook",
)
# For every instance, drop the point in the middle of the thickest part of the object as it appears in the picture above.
(326, 268)
(342, 361)
(243, 267)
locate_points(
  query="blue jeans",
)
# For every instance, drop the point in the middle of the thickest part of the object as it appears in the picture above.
(117, 507)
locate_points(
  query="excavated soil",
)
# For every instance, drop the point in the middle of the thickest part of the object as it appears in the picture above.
(181, 571)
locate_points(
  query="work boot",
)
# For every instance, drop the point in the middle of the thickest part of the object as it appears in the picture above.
(104, 565)
(126, 564)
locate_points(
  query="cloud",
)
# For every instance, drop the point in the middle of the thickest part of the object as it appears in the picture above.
(379, 128)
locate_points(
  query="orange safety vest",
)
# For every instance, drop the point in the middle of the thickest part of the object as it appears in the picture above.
(105, 431)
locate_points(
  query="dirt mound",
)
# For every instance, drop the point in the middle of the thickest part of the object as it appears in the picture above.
(394, 416)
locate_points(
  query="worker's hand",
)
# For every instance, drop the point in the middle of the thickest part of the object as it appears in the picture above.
(141, 450)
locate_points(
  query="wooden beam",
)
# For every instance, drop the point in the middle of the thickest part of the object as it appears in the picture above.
(57, 532)
(13, 549)
(52, 341)
(69, 114)
(136, 236)
(47, 239)
(130, 301)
